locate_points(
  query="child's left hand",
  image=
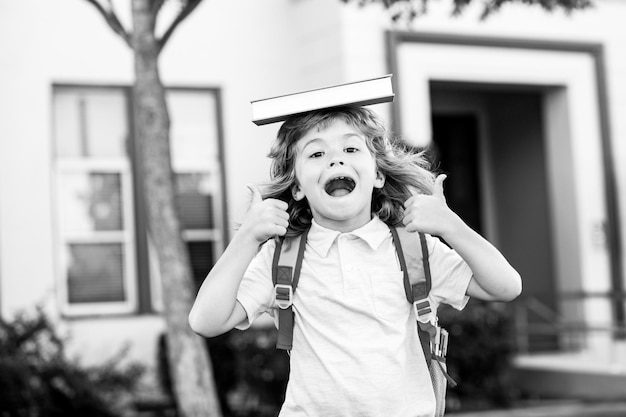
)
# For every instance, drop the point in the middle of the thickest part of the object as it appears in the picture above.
(430, 213)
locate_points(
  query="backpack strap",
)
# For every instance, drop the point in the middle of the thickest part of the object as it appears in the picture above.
(413, 258)
(286, 266)
(417, 285)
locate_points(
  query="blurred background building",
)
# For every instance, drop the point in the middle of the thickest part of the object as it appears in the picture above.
(524, 111)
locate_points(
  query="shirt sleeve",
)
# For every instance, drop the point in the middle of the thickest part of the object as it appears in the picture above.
(255, 292)
(450, 274)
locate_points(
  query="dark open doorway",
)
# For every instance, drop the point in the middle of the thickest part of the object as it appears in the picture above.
(490, 142)
(455, 150)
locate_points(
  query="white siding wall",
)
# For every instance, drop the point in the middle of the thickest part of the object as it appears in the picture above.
(26, 257)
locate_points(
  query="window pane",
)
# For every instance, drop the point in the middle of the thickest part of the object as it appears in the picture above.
(201, 254)
(95, 272)
(194, 132)
(91, 202)
(195, 203)
(90, 122)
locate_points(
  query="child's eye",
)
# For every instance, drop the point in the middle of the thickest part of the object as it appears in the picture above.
(318, 154)
(351, 150)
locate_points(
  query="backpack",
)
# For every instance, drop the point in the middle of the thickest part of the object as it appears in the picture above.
(286, 266)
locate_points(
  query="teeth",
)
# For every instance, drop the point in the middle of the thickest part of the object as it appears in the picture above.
(340, 186)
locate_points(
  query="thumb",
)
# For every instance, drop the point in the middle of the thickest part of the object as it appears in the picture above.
(438, 187)
(256, 194)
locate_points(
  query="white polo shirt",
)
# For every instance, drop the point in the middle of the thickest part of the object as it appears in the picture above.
(356, 351)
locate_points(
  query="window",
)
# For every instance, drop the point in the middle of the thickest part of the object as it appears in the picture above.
(99, 208)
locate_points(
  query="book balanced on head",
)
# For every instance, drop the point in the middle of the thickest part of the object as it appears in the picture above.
(361, 93)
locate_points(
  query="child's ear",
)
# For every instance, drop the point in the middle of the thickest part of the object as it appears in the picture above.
(296, 192)
(380, 180)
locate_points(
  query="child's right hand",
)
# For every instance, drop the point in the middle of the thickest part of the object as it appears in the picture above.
(266, 218)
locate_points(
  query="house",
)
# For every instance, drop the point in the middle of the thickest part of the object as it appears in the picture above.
(524, 110)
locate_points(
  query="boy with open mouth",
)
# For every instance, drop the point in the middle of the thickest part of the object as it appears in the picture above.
(338, 176)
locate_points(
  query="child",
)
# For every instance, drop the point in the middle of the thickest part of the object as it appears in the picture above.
(355, 346)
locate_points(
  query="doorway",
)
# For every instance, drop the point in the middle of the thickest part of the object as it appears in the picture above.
(490, 142)
(496, 80)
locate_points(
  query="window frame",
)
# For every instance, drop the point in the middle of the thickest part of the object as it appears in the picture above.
(141, 273)
(86, 165)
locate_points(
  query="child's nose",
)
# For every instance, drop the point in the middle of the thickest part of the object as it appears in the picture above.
(336, 158)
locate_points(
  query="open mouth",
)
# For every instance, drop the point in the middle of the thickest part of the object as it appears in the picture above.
(340, 186)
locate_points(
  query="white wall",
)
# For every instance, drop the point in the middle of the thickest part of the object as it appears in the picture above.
(26, 261)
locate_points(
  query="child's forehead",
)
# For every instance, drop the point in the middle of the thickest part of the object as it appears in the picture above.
(330, 130)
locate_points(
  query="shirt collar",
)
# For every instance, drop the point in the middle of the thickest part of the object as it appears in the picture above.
(320, 239)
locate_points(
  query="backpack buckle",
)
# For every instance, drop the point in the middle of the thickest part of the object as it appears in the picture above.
(441, 348)
(283, 295)
(424, 312)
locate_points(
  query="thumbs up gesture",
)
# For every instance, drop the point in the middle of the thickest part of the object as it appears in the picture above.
(429, 213)
(266, 218)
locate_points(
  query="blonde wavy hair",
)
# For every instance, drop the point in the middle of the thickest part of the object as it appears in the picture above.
(406, 171)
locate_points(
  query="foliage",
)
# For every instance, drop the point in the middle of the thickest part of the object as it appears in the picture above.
(251, 375)
(408, 10)
(479, 356)
(38, 380)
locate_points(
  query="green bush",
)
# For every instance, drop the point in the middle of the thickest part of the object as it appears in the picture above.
(38, 380)
(479, 356)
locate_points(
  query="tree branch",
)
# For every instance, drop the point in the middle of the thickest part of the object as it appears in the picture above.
(189, 6)
(156, 6)
(111, 18)
(568, 6)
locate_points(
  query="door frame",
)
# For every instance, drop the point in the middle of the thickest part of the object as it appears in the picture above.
(397, 39)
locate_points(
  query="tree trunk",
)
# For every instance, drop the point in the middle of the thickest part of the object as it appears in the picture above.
(189, 361)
